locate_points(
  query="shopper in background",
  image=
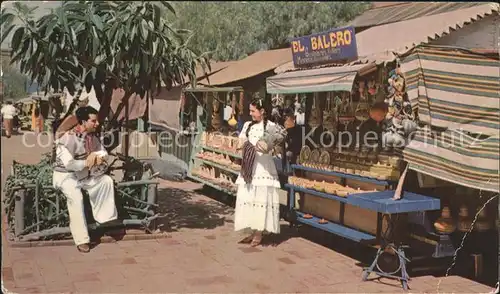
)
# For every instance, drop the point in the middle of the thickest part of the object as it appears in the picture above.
(36, 118)
(8, 114)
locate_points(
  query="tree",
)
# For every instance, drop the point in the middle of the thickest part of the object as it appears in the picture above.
(14, 84)
(104, 45)
(233, 30)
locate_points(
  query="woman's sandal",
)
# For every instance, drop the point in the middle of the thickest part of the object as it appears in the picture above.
(83, 248)
(246, 240)
(257, 239)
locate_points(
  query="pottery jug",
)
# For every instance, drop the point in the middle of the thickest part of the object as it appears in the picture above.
(232, 121)
(445, 224)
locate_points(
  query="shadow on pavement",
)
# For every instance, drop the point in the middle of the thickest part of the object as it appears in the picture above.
(274, 240)
(184, 209)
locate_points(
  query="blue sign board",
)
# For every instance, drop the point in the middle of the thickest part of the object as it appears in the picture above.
(326, 47)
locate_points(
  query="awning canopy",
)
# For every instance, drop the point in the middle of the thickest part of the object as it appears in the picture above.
(213, 89)
(328, 79)
(402, 11)
(453, 88)
(251, 66)
(456, 157)
(455, 91)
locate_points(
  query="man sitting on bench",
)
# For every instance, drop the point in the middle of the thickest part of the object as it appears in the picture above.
(77, 152)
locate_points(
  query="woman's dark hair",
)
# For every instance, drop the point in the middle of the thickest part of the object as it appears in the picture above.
(259, 104)
(289, 112)
(83, 113)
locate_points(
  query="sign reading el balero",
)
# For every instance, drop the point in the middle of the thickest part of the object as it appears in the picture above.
(330, 46)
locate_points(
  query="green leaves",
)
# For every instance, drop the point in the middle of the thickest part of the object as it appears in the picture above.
(99, 43)
(233, 30)
(14, 83)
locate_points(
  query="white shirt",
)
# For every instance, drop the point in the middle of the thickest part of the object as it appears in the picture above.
(264, 169)
(78, 166)
(228, 110)
(9, 111)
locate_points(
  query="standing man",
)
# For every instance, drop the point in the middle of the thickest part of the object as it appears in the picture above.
(8, 114)
(77, 152)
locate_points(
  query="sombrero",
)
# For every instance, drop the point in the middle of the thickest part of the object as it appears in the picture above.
(67, 124)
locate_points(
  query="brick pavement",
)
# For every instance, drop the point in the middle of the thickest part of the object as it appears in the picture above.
(200, 256)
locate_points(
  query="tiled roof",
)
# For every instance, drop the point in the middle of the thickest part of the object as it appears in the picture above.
(402, 11)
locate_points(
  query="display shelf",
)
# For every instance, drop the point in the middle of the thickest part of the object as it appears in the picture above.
(316, 193)
(336, 229)
(343, 175)
(238, 156)
(211, 184)
(219, 166)
(380, 201)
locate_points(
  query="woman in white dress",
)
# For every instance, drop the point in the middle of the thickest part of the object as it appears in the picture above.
(257, 200)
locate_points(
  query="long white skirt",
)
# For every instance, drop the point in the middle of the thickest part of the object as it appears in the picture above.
(257, 208)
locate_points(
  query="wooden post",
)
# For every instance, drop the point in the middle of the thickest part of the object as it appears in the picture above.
(127, 137)
(498, 229)
(141, 125)
(19, 212)
(142, 121)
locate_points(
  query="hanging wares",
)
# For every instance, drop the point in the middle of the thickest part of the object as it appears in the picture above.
(362, 109)
(232, 121)
(329, 114)
(346, 113)
(216, 115)
(314, 119)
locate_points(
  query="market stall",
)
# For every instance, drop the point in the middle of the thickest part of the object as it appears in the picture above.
(214, 115)
(455, 94)
(39, 105)
(349, 176)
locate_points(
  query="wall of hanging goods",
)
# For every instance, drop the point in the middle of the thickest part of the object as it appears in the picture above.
(346, 172)
(218, 116)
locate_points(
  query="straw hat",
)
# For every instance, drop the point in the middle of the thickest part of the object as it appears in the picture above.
(67, 124)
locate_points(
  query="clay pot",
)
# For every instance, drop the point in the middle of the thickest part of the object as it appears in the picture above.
(445, 224)
(464, 222)
(482, 224)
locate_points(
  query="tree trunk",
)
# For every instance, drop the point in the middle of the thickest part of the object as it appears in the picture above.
(104, 98)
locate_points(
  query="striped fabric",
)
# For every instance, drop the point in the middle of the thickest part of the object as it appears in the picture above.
(456, 157)
(454, 88)
(339, 78)
(455, 91)
(248, 159)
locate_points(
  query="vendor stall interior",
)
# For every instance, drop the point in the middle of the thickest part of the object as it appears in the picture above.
(215, 115)
(345, 181)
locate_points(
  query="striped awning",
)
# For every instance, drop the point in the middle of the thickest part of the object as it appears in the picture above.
(455, 91)
(454, 88)
(327, 79)
(456, 157)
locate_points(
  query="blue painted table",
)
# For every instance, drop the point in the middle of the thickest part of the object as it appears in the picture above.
(381, 202)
